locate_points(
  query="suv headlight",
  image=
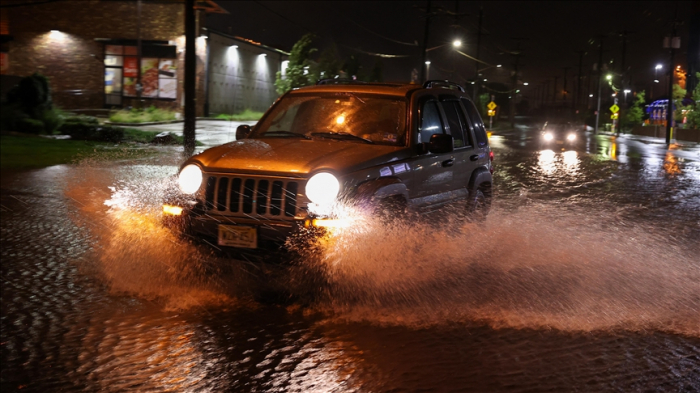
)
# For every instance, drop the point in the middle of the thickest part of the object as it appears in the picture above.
(190, 179)
(322, 188)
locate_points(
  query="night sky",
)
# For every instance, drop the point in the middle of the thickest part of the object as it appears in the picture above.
(549, 34)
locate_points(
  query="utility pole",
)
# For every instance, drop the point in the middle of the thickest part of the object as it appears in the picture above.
(600, 88)
(478, 47)
(514, 85)
(673, 43)
(190, 77)
(139, 86)
(577, 95)
(623, 85)
(423, 66)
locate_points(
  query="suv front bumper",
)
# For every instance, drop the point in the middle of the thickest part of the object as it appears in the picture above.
(227, 232)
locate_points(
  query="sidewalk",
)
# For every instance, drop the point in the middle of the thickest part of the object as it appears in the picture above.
(209, 132)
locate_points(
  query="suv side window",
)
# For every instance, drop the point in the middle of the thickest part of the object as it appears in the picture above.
(457, 122)
(479, 130)
(431, 123)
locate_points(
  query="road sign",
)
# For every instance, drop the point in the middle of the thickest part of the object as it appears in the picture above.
(614, 109)
(614, 116)
(492, 105)
(492, 112)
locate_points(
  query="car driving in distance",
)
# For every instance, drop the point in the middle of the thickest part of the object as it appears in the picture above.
(559, 133)
(406, 147)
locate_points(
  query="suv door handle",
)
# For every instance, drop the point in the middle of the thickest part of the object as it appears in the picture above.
(474, 157)
(449, 162)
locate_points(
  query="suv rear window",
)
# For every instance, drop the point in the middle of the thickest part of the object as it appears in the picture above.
(381, 119)
(479, 129)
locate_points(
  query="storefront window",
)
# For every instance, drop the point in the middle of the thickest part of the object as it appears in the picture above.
(158, 73)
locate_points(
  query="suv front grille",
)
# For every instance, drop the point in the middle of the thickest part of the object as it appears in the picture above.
(251, 197)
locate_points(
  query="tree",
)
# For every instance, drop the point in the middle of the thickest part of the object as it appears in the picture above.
(679, 109)
(694, 113)
(297, 73)
(328, 64)
(377, 74)
(635, 113)
(352, 67)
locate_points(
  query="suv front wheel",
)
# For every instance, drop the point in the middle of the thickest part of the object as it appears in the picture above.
(478, 206)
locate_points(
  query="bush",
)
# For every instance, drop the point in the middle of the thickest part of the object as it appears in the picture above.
(29, 107)
(91, 132)
(148, 115)
(82, 119)
(246, 115)
(29, 125)
(110, 134)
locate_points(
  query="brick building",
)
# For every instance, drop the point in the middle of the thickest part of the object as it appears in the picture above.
(89, 51)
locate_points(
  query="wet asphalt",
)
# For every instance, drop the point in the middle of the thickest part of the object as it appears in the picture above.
(585, 277)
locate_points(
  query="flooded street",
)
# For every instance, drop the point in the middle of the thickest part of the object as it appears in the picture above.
(584, 277)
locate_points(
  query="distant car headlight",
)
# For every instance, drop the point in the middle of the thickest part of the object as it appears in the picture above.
(322, 188)
(190, 179)
(571, 137)
(548, 136)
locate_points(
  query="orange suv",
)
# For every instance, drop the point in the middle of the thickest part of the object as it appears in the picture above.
(411, 147)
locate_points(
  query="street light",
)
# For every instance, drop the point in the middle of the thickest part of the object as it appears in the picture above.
(656, 78)
(427, 69)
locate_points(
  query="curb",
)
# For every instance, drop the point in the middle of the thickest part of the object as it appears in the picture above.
(155, 123)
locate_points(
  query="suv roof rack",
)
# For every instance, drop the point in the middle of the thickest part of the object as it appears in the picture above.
(442, 83)
(339, 81)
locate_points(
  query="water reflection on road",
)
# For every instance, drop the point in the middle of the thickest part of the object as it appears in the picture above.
(571, 284)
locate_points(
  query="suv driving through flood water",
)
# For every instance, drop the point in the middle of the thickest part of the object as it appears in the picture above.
(406, 147)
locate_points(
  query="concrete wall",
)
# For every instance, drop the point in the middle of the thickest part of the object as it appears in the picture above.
(239, 76)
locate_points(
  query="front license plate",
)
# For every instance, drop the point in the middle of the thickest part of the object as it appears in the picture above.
(560, 142)
(237, 236)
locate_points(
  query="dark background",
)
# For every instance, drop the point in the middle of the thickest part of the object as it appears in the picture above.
(549, 34)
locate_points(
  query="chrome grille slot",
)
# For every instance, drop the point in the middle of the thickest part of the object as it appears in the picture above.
(246, 197)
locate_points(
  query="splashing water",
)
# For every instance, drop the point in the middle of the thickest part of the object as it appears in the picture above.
(536, 268)
(136, 254)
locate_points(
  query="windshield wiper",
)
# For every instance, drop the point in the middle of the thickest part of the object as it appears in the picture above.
(287, 133)
(341, 134)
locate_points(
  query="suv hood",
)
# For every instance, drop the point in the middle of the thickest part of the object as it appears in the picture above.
(296, 156)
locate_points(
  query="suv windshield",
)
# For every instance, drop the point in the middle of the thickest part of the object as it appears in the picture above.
(359, 118)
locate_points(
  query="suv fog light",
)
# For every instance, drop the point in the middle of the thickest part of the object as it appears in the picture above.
(190, 179)
(172, 210)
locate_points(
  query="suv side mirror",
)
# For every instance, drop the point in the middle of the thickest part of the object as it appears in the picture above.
(441, 143)
(243, 131)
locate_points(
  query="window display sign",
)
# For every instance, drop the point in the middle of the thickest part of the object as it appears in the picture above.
(167, 82)
(130, 76)
(149, 77)
(158, 74)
